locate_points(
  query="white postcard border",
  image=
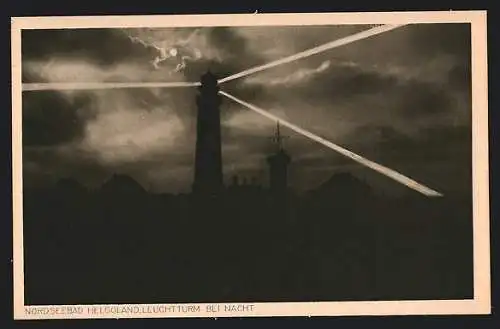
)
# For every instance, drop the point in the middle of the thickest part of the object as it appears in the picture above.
(481, 304)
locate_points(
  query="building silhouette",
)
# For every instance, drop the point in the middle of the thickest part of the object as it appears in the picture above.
(278, 166)
(208, 179)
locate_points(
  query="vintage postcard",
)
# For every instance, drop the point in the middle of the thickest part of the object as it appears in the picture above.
(250, 165)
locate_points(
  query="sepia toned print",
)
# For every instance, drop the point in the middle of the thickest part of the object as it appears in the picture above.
(250, 165)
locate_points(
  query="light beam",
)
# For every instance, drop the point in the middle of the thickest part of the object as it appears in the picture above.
(368, 163)
(313, 51)
(104, 85)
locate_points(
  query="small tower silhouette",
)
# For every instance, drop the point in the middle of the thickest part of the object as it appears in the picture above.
(208, 158)
(278, 166)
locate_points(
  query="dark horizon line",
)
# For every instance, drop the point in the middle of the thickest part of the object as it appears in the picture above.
(373, 190)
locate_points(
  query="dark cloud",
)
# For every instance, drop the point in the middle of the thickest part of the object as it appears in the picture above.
(436, 39)
(99, 46)
(459, 78)
(423, 101)
(233, 45)
(51, 119)
(345, 82)
(233, 48)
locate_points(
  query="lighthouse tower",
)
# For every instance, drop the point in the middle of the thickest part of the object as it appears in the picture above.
(208, 158)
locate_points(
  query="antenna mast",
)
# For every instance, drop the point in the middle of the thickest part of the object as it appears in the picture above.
(278, 138)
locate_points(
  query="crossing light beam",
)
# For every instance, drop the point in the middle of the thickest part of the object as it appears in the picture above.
(104, 85)
(368, 163)
(316, 50)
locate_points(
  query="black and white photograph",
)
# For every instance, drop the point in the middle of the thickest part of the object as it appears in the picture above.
(232, 166)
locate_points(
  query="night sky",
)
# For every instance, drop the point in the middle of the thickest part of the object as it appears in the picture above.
(402, 98)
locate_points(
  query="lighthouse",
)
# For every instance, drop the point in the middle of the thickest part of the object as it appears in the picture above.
(208, 180)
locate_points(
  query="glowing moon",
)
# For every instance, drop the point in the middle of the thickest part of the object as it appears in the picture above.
(173, 52)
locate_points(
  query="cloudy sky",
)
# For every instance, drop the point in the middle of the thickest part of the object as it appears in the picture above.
(402, 98)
